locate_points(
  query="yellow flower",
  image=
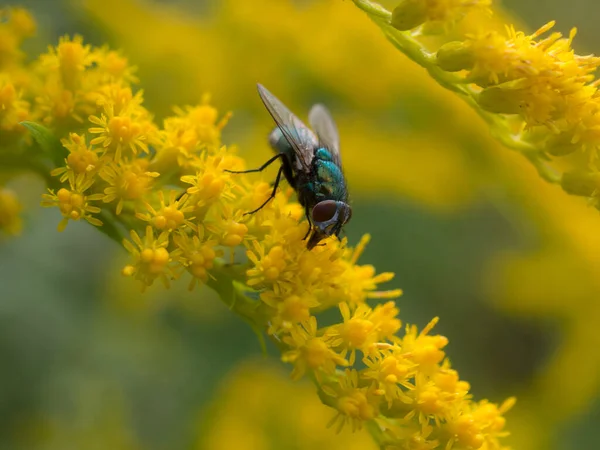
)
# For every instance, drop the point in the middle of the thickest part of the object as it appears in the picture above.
(291, 309)
(197, 254)
(57, 105)
(422, 349)
(389, 370)
(71, 58)
(112, 66)
(386, 321)
(19, 20)
(82, 159)
(360, 282)
(409, 436)
(210, 183)
(229, 228)
(152, 258)
(480, 426)
(363, 327)
(13, 109)
(10, 210)
(271, 267)
(124, 133)
(127, 182)
(355, 405)
(202, 120)
(309, 351)
(119, 98)
(167, 217)
(15, 25)
(357, 332)
(77, 81)
(430, 401)
(73, 203)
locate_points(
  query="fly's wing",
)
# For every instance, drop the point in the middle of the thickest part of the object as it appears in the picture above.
(300, 137)
(321, 121)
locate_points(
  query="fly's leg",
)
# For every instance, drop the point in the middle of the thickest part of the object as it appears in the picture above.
(261, 168)
(307, 212)
(272, 196)
(284, 168)
(288, 171)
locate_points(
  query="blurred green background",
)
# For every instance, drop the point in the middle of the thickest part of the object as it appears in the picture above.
(509, 263)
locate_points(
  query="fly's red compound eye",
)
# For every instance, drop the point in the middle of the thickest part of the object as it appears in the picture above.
(324, 211)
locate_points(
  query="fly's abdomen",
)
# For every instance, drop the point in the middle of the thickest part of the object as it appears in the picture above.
(279, 143)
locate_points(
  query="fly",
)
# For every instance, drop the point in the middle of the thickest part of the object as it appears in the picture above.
(311, 163)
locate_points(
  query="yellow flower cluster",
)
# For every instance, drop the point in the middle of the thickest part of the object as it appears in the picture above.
(538, 96)
(170, 188)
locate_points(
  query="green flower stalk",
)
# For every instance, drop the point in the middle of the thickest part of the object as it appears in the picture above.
(537, 96)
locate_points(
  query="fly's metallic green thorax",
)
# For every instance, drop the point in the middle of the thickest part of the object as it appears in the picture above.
(330, 182)
(310, 161)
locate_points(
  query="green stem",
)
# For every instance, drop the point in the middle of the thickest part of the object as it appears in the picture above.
(109, 227)
(228, 281)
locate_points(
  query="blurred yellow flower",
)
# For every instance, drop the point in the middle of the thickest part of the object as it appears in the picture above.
(10, 212)
(298, 420)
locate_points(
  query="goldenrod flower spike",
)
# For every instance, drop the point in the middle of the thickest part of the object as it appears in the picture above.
(537, 95)
(169, 190)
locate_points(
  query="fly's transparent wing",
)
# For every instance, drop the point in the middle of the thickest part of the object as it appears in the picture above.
(300, 137)
(321, 121)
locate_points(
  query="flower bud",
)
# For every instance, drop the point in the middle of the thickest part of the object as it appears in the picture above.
(584, 184)
(501, 101)
(561, 145)
(455, 56)
(409, 14)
